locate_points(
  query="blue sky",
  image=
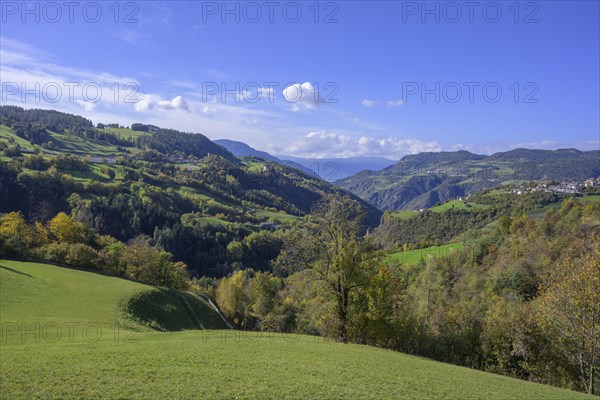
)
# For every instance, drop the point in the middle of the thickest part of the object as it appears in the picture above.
(356, 71)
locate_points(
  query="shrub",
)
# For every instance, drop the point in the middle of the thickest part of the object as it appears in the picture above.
(82, 255)
(55, 252)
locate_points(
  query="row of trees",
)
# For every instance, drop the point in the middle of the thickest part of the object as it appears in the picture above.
(66, 241)
(53, 120)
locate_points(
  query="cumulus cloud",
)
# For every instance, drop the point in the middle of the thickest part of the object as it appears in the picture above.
(368, 103)
(302, 96)
(395, 103)
(144, 103)
(330, 144)
(177, 103)
(149, 102)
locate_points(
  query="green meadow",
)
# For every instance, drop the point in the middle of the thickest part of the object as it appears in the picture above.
(412, 257)
(109, 348)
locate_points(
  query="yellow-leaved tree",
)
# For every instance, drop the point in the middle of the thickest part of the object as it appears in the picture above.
(15, 235)
(570, 312)
(65, 230)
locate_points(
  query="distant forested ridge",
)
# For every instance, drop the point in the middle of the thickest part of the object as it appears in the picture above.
(425, 179)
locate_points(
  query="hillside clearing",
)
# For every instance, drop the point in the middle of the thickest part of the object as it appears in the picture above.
(412, 257)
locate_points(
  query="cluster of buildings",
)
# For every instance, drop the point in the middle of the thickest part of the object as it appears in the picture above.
(570, 187)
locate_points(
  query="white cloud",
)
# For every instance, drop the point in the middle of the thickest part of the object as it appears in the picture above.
(151, 101)
(319, 144)
(395, 103)
(368, 103)
(144, 103)
(177, 103)
(302, 96)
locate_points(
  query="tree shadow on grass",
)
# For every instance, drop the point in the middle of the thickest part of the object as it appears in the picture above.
(15, 271)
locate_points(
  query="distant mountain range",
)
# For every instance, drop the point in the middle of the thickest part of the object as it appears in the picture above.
(240, 149)
(425, 179)
(333, 169)
(330, 169)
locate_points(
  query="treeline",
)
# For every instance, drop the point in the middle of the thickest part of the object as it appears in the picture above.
(169, 141)
(50, 119)
(521, 300)
(63, 240)
(33, 125)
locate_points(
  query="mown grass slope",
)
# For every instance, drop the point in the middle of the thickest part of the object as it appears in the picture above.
(171, 310)
(201, 363)
(48, 296)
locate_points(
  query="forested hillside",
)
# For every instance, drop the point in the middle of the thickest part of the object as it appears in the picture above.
(180, 192)
(423, 180)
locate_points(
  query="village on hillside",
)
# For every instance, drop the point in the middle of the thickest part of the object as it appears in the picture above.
(565, 187)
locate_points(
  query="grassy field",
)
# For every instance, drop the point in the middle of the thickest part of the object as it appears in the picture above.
(6, 135)
(452, 204)
(64, 143)
(405, 214)
(80, 146)
(594, 198)
(412, 257)
(213, 221)
(540, 212)
(277, 216)
(139, 363)
(45, 295)
(457, 205)
(126, 133)
(254, 166)
(197, 194)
